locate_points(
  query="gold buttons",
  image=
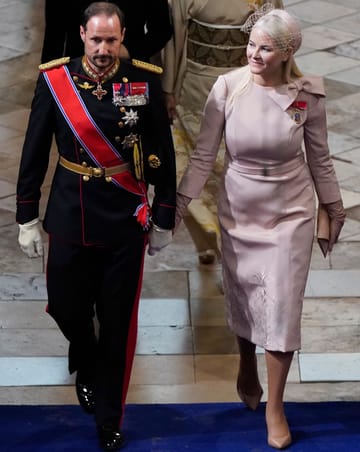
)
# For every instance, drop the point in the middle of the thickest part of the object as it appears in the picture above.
(125, 80)
(108, 179)
(84, 164)
(122, 109)
(75, 78)
(121, 124)
(86, 178)
(81, 150)
(154, 161)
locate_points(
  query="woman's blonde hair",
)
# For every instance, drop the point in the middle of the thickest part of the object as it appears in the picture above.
(284, 31)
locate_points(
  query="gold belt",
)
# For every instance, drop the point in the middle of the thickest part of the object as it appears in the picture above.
(89, 171)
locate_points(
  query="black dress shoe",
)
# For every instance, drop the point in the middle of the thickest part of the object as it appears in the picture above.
(86, 395)
(110, 437)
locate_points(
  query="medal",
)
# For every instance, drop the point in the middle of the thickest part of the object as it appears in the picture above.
(130, 94)
(99, 92)
(131, 118)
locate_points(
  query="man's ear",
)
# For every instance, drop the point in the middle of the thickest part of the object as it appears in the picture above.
(123, 34)
(82, 33)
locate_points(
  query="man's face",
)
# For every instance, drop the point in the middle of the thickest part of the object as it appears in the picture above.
(102, 39)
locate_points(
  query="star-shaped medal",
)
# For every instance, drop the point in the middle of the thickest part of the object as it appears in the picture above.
(129, 140)
(131, 117)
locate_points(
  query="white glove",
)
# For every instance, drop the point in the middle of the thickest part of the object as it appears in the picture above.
(29, 239)
(158, 239)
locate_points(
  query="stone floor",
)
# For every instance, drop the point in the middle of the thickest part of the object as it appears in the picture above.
(185, 352)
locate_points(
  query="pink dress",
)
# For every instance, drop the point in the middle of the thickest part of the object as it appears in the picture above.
(266, 200)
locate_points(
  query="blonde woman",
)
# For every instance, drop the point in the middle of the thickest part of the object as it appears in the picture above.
(266, 111)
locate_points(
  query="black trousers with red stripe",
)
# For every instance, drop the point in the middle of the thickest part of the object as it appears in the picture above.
(86, 280)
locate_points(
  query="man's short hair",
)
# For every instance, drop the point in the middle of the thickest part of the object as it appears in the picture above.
(107, 8)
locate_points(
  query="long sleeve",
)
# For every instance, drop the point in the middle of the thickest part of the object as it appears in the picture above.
(208, 142)
(35, 154)
(317, 151)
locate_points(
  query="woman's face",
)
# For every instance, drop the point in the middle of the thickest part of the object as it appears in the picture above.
(266, 61)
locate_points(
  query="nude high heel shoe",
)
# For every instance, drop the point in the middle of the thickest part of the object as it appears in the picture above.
(279, 436)
(252, 401)
(279, 442)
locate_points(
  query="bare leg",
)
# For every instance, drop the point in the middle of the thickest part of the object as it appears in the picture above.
(278, 365)
(248, 385)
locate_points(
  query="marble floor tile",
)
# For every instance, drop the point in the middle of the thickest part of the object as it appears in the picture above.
(317, 11)
(352, 155)
(350, 231)
(350, 198)
(331, 312)
(164, 340)
(214, 339)
(345, 255)
(166, 370)
(321, 37)
(25, 315)
(335, 90)
(164, 312)
(329, 366)
(349, 23)
(330, 339)
(344, 109)
(37, 371)
(13, 260)
(38, 395)
(170, 284)
(16, 342)
(184, 393)
(207, 312)
(206, 283)
(324, 63)
(349, 49)
(7, 188)
(333, 283)
(341, 144)
(217, 367)
(22, 286)
(345, 170)
(16, 120)
(351, 76)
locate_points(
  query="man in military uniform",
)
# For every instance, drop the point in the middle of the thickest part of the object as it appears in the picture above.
(148, 28)
(113, 137)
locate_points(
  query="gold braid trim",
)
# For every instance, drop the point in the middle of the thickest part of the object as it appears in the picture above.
(54, 63)
(147, 66)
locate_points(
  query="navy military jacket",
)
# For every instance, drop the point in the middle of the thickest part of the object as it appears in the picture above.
(97, 211)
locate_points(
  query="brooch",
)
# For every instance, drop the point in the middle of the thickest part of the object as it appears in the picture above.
(295, 110)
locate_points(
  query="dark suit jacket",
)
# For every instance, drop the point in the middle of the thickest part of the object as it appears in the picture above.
(62, 27)
(96, 211)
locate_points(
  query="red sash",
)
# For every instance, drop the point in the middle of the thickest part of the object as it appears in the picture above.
(91, 137)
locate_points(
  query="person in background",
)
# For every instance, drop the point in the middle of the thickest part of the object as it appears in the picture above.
(114, 140)
(148, 28)
(266, 111)
(208, 41)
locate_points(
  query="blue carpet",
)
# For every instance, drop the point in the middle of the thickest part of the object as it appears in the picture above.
(207, 427)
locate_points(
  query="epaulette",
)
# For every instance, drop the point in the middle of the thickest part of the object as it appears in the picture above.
(54, 63)
(147, 66)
